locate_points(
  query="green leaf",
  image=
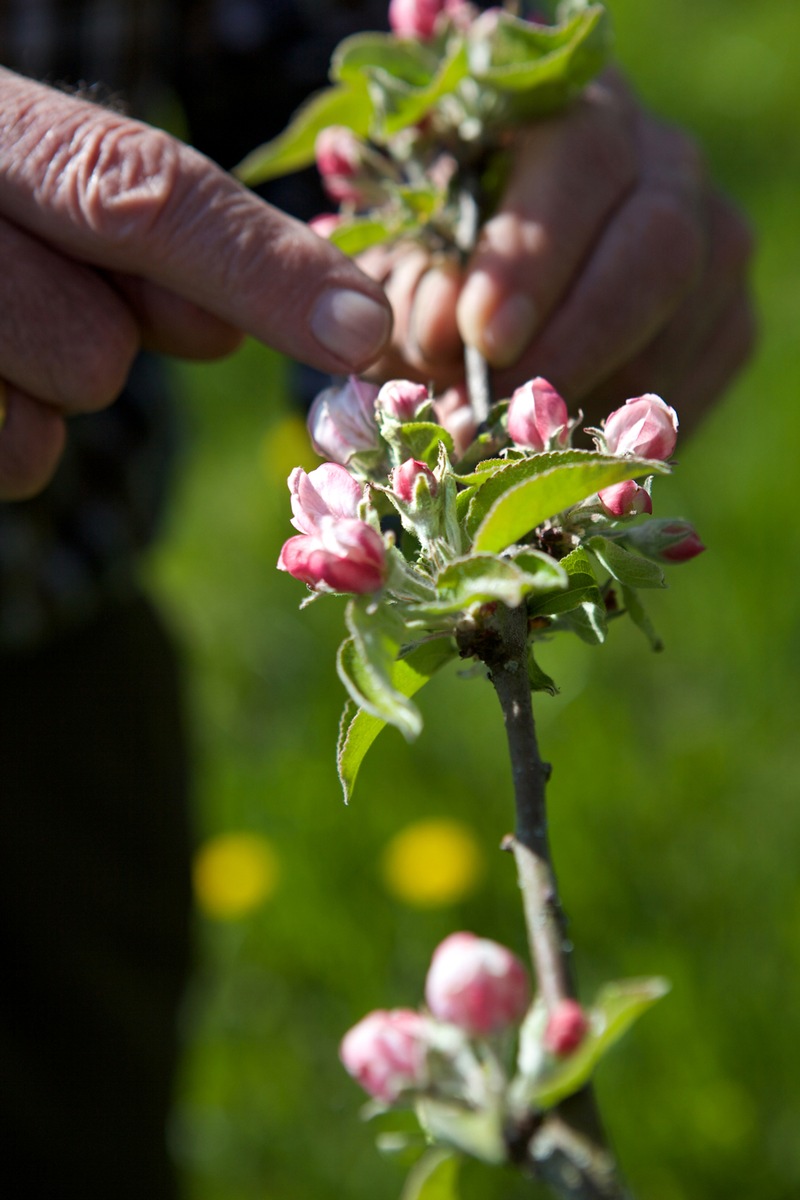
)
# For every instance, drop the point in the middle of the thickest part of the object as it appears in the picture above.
(616, 1008)
(580, 609)
(293, 148)
(359, 728)
(420, 440)
(478, 1132)
(630, 569)
(406, 79)
(517, 502)
(539, 680)
(356, 234)
(433, 1177)
(536, 68)
(483, 578)
(365, 663)
(637, 614)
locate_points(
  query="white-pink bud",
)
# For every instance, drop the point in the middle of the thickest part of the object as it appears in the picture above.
(404, 479)
(566, 1028)
(667, 540)
(339, 156)
(476, 984)
(644, 427)
(325, 224)
(386, 1052)
(328, 491)
(626, 499)
(341, 556)
(537, 416)
(402, 399)
(341, 421)
(414, 18)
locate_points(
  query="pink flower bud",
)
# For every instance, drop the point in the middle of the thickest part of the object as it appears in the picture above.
(329, 491)
(566, 1028)
(666, 540)
(341, 556)
(686, 546)
(325, 224)
(645, 427)
(414, 18)
(341, 421)
(476, 984)
(404, 479)
(402, 399)
(386, 1053)
(537, 417)
(339, 161)
(626, 499)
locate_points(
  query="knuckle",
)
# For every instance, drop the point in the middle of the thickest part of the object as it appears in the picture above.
(113, 177)
(676, 238)
(734, 234)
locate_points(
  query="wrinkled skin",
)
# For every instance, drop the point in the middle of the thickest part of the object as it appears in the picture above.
(114, 236)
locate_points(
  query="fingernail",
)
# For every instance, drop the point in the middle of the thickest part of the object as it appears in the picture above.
(350, 325)
(499, 328)
(509, 330)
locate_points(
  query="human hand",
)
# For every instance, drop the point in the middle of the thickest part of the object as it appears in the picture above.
(612, 267)
(114, 235)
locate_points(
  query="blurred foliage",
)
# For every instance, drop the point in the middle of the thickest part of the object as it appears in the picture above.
(679, 858)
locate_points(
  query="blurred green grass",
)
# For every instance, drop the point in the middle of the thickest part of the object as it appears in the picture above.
(675, 815)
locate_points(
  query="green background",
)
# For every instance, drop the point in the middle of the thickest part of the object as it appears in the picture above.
(675, 820)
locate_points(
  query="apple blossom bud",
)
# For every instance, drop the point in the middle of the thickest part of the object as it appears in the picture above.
(666, 540)
(645, 427)
(537, 417)
(325, 224)
(341, 556)
(566, 1028)
(404, 480)
(476, 984)
(341, 421)
(414, 18)
(338, 153)
(328, 491)
(402, 399)
(626, 499)
(386, 1053)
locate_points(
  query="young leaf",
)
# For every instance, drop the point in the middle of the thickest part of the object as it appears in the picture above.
(537, 68)
(293, 149)
(617, 1006)
(539, 680)
(433, 1177)
(483, 578)
(359, 728)
(637, 614)
(478, 1132)
(356, 234)
(420, 440)
(521, 506)
(365, 663)
(630, 569)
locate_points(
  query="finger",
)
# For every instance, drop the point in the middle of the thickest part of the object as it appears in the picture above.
(673, 354)
(647, 260)
(548, 221)
(719, 360)
(66, 337)
(121, 195)
(433, 327)
(32, 437)
(168, 324)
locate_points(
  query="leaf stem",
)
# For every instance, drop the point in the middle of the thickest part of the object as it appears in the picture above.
(476, 368)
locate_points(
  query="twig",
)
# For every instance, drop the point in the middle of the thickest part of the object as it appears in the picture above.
(567, 1150)
(476, 368)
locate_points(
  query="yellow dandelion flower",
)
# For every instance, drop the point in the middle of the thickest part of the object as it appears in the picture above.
(233, 874)
(432, 863)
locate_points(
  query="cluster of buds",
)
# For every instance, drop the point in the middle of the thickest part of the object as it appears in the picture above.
(477, 992)
(420, 19)
(361, 430)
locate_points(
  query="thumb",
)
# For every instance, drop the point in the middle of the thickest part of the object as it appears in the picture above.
(117, 194)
